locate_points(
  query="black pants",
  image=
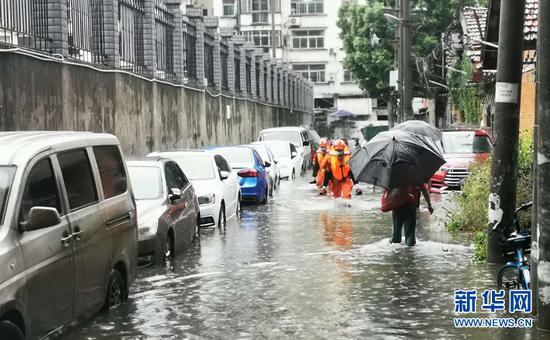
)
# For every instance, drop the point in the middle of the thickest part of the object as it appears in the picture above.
(404, 218)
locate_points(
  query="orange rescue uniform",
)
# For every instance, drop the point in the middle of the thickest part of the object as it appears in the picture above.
(319, 157)
(342, 185)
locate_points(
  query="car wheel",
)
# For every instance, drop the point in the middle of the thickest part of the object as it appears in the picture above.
(168, 248)
(116, 290)
(222, 220)
(266, 198)
(239, 211)
(196, 235)
(9, 330)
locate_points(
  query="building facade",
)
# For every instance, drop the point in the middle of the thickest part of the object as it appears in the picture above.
(306, 37)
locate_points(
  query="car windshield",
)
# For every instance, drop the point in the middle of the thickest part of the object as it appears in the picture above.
(146, 182)
(280, 150)
(196, 167)
(236, 155)
(6, 179)
(291, 136)
(465, 142)
(262, 150)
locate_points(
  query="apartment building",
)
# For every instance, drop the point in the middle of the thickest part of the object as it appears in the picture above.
(306, 37)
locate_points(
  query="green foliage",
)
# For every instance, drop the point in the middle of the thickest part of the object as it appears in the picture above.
(467, 98)
(372, 64)
(471, 216)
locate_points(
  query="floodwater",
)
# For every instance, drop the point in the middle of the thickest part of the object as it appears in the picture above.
(305, 267)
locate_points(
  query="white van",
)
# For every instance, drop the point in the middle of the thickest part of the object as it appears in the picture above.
(298, 136)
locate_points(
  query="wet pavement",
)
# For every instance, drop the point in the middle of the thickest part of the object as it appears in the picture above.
(305, 267)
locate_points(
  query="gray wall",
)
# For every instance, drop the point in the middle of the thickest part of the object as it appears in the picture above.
(145, 116)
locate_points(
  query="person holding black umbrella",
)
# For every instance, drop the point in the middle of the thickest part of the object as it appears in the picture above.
(401, 162)
(404, 203)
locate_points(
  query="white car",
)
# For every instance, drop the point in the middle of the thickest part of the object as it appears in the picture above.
(289, 161)
(216, 185)
(298, 136)
(273, 169)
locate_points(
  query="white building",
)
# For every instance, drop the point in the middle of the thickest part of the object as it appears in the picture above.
(307, 37)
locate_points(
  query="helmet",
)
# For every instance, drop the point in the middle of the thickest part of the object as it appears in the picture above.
(339, 145)
(323, 142)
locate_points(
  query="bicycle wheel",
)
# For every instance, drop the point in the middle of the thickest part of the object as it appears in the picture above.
(508, 277)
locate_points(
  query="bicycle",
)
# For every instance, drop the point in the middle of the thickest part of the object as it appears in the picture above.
(515, 274)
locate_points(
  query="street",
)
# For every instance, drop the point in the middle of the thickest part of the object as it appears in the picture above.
(304, 266)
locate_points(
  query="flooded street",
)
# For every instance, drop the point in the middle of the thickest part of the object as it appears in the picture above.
(304, 266)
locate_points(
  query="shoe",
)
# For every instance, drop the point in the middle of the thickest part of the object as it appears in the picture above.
(358, 192)
(323, 192)
(313, 182)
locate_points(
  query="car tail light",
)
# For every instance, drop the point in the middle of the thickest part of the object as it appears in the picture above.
(248, 173)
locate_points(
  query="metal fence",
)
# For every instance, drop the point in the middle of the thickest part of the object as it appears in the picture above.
(189, 51)
(237, 62)
(86, 38)
(164, 41)
(248, 72)
(24, 23)
(224, 59)
(130, 24)
(257, 65)
(209, 59)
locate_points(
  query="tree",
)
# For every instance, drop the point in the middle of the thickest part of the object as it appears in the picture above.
(371, 63)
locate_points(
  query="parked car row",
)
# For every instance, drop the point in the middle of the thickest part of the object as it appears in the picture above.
(75, 217)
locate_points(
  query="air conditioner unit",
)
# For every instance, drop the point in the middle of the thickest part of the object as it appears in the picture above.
(294, 22)
(331, 78)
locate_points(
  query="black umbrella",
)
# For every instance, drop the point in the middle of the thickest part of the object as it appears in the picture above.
(395, 159)
(421, 128)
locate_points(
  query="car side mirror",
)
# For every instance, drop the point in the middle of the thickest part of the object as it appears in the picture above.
(294, 154)
(174, 195)
(224, 175)
(306, 143)
(40, 218)
(267, 164)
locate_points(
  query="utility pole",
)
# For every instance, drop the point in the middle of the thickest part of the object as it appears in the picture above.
(406, 59)
(502, 200)
(541, 251)
(273, 35)
(400, 111)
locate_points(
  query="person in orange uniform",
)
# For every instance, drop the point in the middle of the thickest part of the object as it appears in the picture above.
(340, 171)
(320, 155)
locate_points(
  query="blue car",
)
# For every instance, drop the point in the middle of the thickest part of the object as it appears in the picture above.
(254, 179)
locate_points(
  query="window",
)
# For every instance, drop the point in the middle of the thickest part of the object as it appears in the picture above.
(308, 39)
(195, 167)
(314, 72)
(260, 11)
(349, 77)
(304, 7)
(78, 178)
(146, 182)
(40, 190)
(111, 170)
(260, 5)
(262, 38)
(222, 164)
(229, 8)
(175, 177)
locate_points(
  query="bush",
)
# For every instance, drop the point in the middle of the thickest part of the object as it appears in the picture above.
(471, 217)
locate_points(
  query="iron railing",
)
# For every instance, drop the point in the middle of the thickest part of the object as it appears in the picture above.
(209, 58)
(237, 62)
(164, 42)
(86, 38)
(130, 38)
(24, 23)
(248, 72)
(189, 51)
(258, 85)
(224, 59)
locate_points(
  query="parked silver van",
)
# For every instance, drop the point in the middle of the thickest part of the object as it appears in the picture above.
(68, 230)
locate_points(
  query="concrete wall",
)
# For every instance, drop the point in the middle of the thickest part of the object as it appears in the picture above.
(144, 115)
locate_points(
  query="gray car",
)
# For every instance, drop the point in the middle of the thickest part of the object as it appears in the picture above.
(68, 234)
(167, 208)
